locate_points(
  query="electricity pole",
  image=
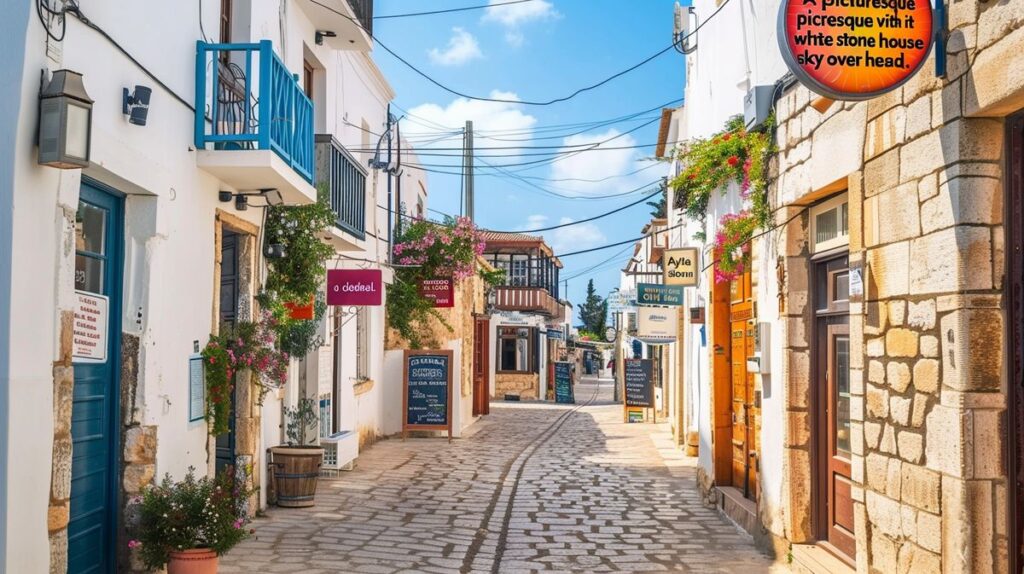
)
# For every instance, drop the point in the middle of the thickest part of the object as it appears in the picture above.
(468, 161)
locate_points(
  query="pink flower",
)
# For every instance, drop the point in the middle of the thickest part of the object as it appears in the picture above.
(133, 544)
(238, 524)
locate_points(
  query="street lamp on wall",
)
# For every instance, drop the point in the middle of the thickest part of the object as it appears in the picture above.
(65, 122)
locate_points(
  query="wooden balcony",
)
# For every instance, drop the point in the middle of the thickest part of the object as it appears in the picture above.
(526, 300)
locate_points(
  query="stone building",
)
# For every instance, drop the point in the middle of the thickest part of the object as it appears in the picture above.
(887, 292)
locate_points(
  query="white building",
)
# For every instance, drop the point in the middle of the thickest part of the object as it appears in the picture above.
(239, 90)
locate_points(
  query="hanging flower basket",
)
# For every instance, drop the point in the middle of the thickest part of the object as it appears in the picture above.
(302, 311)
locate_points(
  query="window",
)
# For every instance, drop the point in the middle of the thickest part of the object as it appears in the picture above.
(307, 78)
(519, 272)
(362, 343)
(830, 225)
(517, 347)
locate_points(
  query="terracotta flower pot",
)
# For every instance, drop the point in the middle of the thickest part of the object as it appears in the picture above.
(196, 561)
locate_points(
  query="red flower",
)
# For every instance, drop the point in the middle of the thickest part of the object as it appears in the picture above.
(733, 160)
(693, 176)
(727, 137)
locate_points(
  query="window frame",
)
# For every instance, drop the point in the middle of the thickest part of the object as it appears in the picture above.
(531, 348)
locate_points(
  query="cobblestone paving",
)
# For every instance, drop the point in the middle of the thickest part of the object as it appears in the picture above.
(535, 487)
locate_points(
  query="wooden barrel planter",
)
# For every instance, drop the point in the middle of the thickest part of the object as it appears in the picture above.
(296, 470)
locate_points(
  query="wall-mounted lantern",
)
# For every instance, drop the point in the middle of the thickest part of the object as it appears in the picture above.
(65, 122)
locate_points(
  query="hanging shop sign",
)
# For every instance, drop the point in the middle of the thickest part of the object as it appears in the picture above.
(622, 301)
(427, 392)
(681, 266)
(657, 325)
(89, 331)
(440, 292)
(855, 49)
(654, 294)
(609, 334)
(563, 383)
(557, 334)
(356, 287)
(639, 382)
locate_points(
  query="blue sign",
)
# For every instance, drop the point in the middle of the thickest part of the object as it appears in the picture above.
(654, 294)
(563, 383)
(428, 383)
(556, 334)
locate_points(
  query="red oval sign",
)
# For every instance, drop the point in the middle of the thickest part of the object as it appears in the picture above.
(855, 49)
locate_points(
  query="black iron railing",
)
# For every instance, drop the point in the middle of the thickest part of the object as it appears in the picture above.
(364, 13)
(346, 183)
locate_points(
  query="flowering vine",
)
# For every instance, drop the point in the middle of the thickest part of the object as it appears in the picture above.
(430, 250)
(250, 346)
(732, 155)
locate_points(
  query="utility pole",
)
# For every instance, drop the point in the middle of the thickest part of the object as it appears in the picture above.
(387, 173)
(468, 164)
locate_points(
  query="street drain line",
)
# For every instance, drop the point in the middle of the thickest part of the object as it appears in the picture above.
(532, 446)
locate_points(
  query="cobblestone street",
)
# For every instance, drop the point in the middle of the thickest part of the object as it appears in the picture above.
(535, 487)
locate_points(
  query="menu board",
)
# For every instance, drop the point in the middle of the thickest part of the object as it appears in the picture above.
(563, 383)
(196, 388)
(427, 395)
(639, 390)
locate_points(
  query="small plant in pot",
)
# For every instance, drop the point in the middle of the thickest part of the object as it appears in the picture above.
(186, 525)
(297, 464)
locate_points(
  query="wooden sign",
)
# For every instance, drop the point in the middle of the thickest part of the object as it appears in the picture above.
(639, 387)
(563, 383)
(440, 292)
(681, 266)
(427, 391)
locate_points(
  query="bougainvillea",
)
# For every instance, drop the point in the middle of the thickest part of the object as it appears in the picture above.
(430, 250)
(733, 155)
(251, 346)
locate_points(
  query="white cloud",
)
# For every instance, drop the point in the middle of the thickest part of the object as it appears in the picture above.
(516, 14)
(601, 163)
(565, 239)
(513, 16)
(462, 48)
(431, 119)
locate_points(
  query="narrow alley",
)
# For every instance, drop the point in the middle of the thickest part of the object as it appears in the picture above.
(535, 487)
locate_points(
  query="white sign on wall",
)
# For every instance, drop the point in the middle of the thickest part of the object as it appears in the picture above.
(657, 324)
(89, 330)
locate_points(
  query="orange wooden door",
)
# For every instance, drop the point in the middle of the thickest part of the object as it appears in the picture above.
(745, 410)
(481, 367)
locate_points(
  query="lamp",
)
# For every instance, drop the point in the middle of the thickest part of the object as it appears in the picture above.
(321, 34)
(272, 196)
(65, 122)
(135, 105)
(241, 202)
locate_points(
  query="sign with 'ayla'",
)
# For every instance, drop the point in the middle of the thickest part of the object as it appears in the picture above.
(681, 266)
(855, 49)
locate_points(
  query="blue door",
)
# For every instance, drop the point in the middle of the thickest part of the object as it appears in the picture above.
(94, 414)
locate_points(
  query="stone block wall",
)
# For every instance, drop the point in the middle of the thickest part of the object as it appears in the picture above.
(526, 385)
(927, 338)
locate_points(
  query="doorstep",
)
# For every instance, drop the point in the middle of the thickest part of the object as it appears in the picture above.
(815, 559)
(740, 510)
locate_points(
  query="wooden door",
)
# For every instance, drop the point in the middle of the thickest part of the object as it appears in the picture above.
(481, 367)
(229, 291)
(745, 410)
(95, 461)
(832, 405)
(1015, 331)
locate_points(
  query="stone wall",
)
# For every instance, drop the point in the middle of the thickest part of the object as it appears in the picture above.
(927, 338)
(526, 385)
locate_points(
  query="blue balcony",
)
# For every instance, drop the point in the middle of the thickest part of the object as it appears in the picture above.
(253, 123)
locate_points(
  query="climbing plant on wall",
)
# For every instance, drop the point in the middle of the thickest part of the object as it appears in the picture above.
(733, 155)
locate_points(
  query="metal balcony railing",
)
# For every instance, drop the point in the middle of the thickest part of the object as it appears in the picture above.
(364, 13)
(345, 180)
(247, 99)
(525, 299)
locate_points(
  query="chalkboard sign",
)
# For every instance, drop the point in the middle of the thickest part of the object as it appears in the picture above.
(427, 396)
(563, 383)
(639, 390)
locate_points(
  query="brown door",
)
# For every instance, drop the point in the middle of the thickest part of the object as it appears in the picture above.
(1015, 335)
(745, 407)
(832, 404)
(481, 367)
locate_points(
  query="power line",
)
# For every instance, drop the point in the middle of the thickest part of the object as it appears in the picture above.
(431, 13)
(581, 221)
(424, 75)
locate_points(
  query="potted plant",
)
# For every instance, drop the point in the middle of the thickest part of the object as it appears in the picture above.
(186, 525)
(297, 464)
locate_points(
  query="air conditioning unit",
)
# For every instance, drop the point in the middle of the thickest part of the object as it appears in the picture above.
(757, 105)
(340, 451)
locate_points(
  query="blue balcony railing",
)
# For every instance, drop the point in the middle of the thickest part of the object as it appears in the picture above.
(246, 98)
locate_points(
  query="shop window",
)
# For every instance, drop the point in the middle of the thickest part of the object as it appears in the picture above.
(517, 349)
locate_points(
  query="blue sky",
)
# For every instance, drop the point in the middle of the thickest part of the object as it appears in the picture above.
(538, 50)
